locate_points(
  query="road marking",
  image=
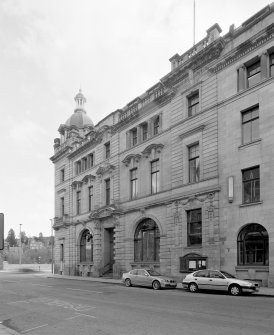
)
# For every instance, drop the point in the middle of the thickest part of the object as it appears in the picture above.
(41, 285)
(28, 330)
(90, 316)
(79, 289)
(16, 302)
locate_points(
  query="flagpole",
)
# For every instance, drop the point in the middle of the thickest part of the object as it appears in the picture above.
(194, 22)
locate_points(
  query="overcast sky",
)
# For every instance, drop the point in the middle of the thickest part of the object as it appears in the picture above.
(114, 49)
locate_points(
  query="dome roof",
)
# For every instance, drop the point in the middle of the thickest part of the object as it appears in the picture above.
(79, 119)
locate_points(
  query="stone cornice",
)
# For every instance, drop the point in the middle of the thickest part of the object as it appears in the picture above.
(245, 48)
(198, 60)
(60, 153)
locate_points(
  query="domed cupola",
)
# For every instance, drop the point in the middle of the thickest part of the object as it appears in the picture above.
(79, 119)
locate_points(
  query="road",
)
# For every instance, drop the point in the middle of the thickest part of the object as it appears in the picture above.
(38, 305)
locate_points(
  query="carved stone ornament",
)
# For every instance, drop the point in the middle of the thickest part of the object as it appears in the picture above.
(105, 212)
(135, 158)
(105, 168)
(88, 178)
(76, 184)
(157, 147)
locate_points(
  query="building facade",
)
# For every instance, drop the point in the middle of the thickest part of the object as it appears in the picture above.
(182, 177)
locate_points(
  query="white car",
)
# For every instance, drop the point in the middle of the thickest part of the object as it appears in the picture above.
(218, 280)
(149, 278)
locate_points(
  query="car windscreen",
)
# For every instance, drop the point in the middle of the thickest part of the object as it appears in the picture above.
(153, 273)
(228, 275)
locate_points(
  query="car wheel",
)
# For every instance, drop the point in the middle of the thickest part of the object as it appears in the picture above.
(156, 285)
(128, 282)
(235, 290)
(193, 287)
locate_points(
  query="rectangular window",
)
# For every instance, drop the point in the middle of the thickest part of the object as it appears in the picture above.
(134, 136)
(61, 252)
(194, 227)
(253, 73)
(250, 125)
(62, 175)
(84, 164)
(90, 198)
(251, 185)
(193, 104)
(144, 132)
(194, 163)
(78, 167)
(90, 160)
(133, 183)
(156, 126)
(107, 150)
(107, 185)
(271, 64)
(62, 205)
(78, 202)
(155, 177)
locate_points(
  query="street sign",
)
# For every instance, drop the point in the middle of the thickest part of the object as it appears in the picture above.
(1, 231)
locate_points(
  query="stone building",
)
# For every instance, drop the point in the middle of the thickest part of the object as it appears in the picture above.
(180, 178)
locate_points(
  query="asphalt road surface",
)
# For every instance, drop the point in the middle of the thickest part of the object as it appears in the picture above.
(38, 305)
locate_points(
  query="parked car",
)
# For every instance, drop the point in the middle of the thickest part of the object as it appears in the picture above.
(148, 277)
(218, 280)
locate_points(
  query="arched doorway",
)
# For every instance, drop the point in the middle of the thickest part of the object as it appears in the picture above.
(147, 241)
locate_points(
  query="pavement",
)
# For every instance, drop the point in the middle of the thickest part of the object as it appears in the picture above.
(264, 291)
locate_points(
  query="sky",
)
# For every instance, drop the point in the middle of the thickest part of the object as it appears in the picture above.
(113, 49)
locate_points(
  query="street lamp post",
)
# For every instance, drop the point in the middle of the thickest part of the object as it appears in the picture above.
(20, 246)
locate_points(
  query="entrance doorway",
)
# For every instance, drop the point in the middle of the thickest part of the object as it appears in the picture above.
(108, 249)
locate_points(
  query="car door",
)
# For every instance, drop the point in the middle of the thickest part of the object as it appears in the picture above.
(217, 281)
(133, 277)
(201, 279)
(143, 278)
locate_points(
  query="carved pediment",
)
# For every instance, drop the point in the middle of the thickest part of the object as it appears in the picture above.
(105, 212)
(135, 158)
(152, 147)
(106, 168)
(76, 184)
(88, 178)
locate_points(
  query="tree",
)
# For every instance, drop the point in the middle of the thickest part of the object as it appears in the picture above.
(41, 238)
(11, 240)
(24, 238)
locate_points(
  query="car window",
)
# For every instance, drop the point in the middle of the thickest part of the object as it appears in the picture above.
(227, 275)
(202, 273)
(141, 272)
(215, 274)
(133, 272)
(153, 273)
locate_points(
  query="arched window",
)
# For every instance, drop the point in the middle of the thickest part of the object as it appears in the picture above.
(147, 242)
(253, 245)
(86, 247)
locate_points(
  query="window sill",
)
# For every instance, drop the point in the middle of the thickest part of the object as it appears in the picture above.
(251, 204)
(243, 146)
(194, 246)
(145, 264)
(255, 267)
